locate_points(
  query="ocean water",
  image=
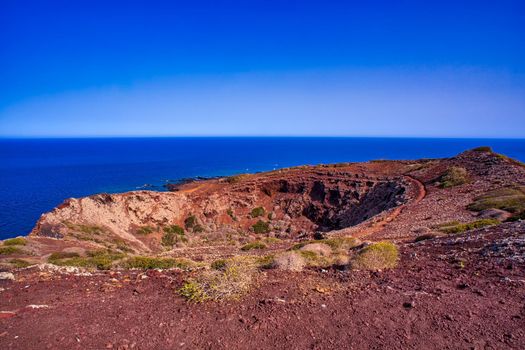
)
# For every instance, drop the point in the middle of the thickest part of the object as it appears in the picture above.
(38, 174)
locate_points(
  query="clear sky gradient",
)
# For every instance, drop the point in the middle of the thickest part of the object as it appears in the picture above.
(325, 68)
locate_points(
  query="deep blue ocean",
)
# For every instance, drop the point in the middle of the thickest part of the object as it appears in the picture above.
(38, 174)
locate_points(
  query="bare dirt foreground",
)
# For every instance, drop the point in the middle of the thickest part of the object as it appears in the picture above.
(450, 290)
(428, 302)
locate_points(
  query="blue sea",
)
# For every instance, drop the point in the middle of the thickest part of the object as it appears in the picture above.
(38, 174)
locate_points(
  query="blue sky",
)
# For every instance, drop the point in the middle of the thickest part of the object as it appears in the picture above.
(341, 68)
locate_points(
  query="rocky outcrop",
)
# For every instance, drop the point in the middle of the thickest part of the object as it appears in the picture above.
(301, 201)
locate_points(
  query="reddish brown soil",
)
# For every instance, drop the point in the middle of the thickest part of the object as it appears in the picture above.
(429, 302)
(464, 291)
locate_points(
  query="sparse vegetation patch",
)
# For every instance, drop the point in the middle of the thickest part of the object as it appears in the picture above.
(235, 178)
(511, 199)
(145, 230)
(100, 259)
(148, 263)
(254, 245)
(231, 281)
(456, 227)
(377, 256)
(256, 212)
(19, 263)
(15, 241)
(9, 250)
(61, 255)
(482, 149)
(198, 228)
(336, 243)
(190, 222)
(454, 176)
(261, 227)
(172, 235)
(231, 214)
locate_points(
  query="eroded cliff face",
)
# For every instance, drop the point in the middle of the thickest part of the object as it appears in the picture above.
(295, 202)
(377, 200)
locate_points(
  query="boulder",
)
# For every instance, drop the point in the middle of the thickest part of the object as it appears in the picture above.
(7, 276)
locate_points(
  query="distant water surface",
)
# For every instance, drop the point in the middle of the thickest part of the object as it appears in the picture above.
(38, 174)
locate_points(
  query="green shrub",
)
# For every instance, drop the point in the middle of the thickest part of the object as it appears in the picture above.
(103, 260)
(148, 263)
(377, 256)
(88, 229)
(231, 214)
(145, 230)
(190, 222)
(193, 291)
(9, 250)
(61, 255)
(454, 176)
(198, 228)
(454, 227)
(256, 212)
(318, 254)
(272, 240)
(482, 149)
(123, 247)
(19, 263)
(511, 199)
(266, 261)
(174, 229)
(230, 282)
(100, 259)
(254, 245)
(172, 235)
(261, 227)
(15, 241)
(219, 264)
(308, 255)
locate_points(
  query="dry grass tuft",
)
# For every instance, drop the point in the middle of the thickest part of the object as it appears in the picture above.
(232, 280)
(377, 256)
(454, 176)
(320, 249)
(9, 250)
(149, 263)
(290, 261)
(253, 245)
(456, 227)
(101, 259)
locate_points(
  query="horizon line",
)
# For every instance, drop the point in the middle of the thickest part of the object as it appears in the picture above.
(255, 136)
